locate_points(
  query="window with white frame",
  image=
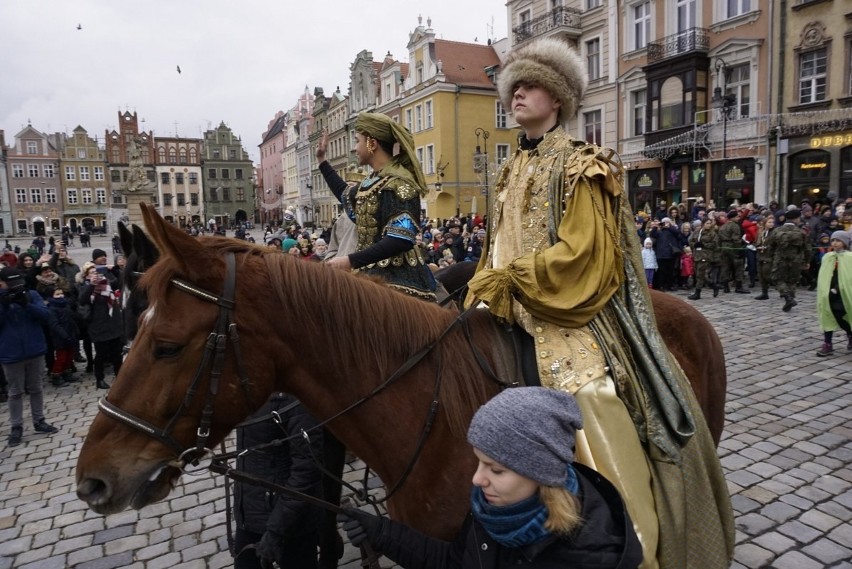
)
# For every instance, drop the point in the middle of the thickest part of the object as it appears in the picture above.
(429, 167)
(502, 153)
(638, 107)
(47, 170)
(739, 84)
(524, 24)
(429, 119)
(418, 118)
(99, 173)
(100, 195)
(70, 174)
(641, 15)
(22, 225)
(419, 153)
(86, 195)
(32, 170)
(409, 120)
(17, 170)
(419, 72)
(71, 196)
(813, 76)
(20, 195)
(35, 195)
(592, 124)
(85, 176)
(738, 7)
(32, 147)
(501, 118)
(81, 153)
(50, 195)
(592, 4)
(388, 93)
(593, 58)
(685, 15)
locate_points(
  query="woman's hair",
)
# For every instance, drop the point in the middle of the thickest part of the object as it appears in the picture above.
(563, 510)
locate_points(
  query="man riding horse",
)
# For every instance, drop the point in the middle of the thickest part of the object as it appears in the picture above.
(561, 262)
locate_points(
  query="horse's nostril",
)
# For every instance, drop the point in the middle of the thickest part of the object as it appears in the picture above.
(92, 490)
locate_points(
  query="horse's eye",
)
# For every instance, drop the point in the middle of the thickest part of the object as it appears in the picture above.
(167, 350)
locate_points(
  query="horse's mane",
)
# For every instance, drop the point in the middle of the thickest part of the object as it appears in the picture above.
(351, 304)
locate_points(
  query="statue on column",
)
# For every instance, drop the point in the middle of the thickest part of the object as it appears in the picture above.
(137, 178)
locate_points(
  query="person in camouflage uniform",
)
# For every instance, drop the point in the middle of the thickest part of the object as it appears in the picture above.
(791, 252)
(764, 257)
(732, 251)
(705, 250)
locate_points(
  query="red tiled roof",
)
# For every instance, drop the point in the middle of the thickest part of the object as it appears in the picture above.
(465, 63)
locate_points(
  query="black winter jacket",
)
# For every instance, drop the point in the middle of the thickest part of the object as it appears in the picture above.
(290, 464)
(605, 540)
(63, 329)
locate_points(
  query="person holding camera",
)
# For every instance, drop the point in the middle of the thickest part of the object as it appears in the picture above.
(22, 349)
(100, 290)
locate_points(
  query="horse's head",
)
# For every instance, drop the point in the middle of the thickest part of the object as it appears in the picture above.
(154, 412)
(140, 254)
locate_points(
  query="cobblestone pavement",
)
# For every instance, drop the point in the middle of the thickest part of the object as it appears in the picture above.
(786, 453)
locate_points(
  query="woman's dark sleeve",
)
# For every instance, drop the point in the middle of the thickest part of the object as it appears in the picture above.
(387, 247)
(414, 550)
(335, 183)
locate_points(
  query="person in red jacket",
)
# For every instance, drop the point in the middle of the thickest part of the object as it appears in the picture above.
(749, 226)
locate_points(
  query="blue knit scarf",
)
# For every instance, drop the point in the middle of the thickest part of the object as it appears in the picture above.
(518, 524)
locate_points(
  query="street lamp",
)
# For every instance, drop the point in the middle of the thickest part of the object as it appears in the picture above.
(478, 163)
(725, 104)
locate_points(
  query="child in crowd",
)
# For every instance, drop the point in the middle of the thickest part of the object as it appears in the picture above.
(65, 336)
(649, 261)
(687, 268)
(834, 292)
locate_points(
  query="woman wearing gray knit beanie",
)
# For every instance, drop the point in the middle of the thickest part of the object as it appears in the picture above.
(530, 503)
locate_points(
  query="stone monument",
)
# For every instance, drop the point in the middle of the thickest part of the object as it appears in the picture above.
(139, 188)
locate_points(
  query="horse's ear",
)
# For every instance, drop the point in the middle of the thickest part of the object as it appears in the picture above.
(126, 239)
(145, 249)
(169, 240)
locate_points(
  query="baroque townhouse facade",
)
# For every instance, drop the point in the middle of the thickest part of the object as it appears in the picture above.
(461, 131)
(178, 173)
(811, 135)
(694, 87)
(118, 144)
(330, 113)
(296, 159)
(227, 188)
(83, 167)
(270, 179)
(34, 182)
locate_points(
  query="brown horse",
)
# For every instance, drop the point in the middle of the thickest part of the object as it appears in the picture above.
(324, 335)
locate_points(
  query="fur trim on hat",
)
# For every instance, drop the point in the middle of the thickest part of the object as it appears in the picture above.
(551, 64)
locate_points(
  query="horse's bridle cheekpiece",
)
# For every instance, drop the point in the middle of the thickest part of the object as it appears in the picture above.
(213, 358)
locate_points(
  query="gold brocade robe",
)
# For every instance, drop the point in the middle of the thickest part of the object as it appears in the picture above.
(558, 261)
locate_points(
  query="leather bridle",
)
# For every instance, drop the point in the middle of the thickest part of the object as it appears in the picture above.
(213, 358)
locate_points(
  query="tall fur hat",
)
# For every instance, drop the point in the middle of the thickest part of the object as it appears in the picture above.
(551, 64)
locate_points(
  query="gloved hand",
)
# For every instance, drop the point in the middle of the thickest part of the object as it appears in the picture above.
(361, 526)
(271, 548)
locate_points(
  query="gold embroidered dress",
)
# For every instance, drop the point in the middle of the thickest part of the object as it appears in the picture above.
(561, 261)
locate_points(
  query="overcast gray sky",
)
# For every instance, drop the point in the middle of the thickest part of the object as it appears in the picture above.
(241, 61)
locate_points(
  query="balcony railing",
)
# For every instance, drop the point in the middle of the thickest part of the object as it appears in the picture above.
(808, 123)
(691, 40)
(560, 18)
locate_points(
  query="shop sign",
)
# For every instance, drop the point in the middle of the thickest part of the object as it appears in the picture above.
(734, 174)
(831, 140)
(644, 181)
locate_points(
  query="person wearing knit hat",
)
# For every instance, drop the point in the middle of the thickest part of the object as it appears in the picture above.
(385, 206)
(529, 500)
(559, 268)
(99, 256)
(834, 292)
